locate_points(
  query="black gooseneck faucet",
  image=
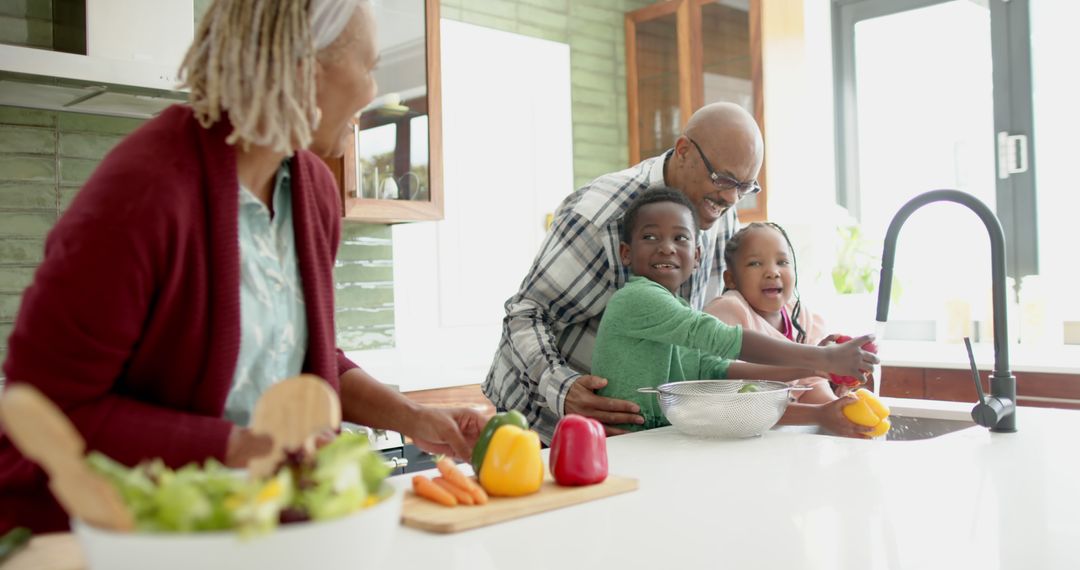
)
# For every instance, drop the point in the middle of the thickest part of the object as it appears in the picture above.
(998, 412)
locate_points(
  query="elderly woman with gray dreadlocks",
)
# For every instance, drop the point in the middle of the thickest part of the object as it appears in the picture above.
(194, 268)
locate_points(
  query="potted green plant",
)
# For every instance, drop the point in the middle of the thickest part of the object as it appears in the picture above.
(854, 278)
(856, 263)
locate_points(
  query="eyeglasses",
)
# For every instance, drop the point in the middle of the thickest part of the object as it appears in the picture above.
(724, 183)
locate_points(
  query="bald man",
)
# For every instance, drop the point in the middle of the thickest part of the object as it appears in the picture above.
(545, 354)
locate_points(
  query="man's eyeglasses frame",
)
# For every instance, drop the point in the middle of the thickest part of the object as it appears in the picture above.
(725, 183)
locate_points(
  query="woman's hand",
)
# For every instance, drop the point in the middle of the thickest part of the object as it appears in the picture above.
(831, 417)
(245, 445)
(446, 431)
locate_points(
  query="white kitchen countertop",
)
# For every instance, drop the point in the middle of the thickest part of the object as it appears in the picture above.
(970, 499)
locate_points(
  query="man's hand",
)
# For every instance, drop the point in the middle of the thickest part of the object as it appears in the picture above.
(447, 431)
(581, 399)
(831, 417)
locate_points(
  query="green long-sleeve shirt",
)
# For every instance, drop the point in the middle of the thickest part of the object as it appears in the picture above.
(648, 337)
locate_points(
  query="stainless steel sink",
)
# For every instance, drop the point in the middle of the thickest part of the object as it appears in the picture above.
(904, 428)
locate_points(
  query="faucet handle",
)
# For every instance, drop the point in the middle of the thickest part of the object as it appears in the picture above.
(986, 413)
(974, 371)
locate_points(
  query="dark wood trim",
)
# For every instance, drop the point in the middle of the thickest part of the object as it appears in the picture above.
(682, 38)
(468, 396)
(654, 11)
(633, 130)
(904, 383)
(757, 80)
(956, 386)
(697, 57)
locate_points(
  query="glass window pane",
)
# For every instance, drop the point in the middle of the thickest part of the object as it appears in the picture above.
(1054, 45)
(925, 121)
(400, 111)
(418, 159)
(726, 64)
(725, 51)
(375, 162)
(659, 122)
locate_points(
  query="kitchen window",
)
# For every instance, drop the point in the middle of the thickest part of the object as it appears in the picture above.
(974, 95)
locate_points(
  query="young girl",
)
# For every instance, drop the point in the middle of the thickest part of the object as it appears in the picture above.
(761, 293)
(649, 335)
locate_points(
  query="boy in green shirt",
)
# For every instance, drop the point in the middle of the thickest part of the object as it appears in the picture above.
(650, 336)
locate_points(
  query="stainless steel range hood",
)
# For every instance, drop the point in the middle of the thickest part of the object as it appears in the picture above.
(132, 51)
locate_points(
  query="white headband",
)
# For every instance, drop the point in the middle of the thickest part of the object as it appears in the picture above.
(328, 19)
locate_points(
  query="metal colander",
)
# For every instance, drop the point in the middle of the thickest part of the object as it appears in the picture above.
(716, 408)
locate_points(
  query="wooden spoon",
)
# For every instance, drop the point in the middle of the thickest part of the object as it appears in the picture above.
(293, 412)
(44, 435)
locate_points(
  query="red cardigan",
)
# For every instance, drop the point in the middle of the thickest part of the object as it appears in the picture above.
(132, 322)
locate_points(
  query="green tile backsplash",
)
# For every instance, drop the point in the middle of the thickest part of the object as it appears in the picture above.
(364, 273)
(46, 156)
(27, 23)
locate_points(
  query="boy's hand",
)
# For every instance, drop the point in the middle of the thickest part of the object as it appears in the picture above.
(831, 417)
(581, 399)
(849, 359)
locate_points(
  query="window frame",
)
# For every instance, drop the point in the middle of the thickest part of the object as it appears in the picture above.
(1013, 115)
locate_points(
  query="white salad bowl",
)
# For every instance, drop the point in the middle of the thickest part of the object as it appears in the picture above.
(359, 540)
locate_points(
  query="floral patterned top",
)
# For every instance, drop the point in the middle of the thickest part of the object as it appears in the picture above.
(273, 338)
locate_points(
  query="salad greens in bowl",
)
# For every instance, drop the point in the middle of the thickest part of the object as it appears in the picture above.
(330, 510)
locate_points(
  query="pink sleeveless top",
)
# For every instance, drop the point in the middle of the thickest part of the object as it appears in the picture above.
(733, 309)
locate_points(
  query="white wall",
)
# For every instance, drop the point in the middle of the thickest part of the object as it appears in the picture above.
(799, 136)
(508, 161)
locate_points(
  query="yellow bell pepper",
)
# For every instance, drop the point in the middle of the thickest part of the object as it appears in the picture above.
(868, 411)
(512, 464)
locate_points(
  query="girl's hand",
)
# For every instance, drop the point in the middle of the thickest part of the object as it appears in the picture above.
(841, 390)
(849, 359)
(831, 417)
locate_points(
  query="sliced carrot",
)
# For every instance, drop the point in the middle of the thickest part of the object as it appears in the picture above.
(462, 496)
(479, 494)
(423, 487)
(450, 471)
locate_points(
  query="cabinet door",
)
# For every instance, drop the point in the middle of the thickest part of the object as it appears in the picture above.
(392, 167)
(727, 67)
(658, 78)
(683, 54)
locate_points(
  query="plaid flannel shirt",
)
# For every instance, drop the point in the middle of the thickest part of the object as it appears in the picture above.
(551, 322)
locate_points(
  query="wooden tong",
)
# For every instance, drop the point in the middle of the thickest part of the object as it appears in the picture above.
(45, 435)
(293, 412)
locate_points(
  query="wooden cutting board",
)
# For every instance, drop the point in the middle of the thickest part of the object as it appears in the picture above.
(426, 515)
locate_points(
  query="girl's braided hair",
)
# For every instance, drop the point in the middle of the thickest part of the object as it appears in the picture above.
(732, 246)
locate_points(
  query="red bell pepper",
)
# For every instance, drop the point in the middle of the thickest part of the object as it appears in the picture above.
(578, 451)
